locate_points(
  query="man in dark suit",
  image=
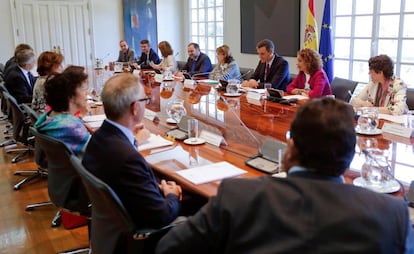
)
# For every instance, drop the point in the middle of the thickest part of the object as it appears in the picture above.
(148, 55)
(272, 68)
(198, 63)
(11, 63)
(309, 211)
(112, 156)
(126, 55)
(19, 80)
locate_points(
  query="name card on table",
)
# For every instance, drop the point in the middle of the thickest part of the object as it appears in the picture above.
(189, 83)
(150, 115)
(212, 138)
(254, 96)
(398, 130)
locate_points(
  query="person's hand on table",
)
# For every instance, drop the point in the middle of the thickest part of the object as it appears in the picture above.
(179, 76)
(140, 133)
(250, 83)
(171, 187)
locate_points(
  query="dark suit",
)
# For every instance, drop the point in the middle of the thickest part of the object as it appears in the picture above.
(201, 65)
(144, 61)
(112, 158)
(303, 213)
(126, 57)
(279, 75)
(18, 85)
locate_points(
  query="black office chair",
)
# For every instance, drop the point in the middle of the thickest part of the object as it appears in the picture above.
(111, 223)
(6, 117)
(20, 129)
(65, 187)
(410, 98)
(343, 88)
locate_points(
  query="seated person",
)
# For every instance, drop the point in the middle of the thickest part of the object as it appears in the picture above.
(312, 210)
(19, 81)
(66, 95)
(112, 156)
(226, 67)
(311, 80)
(11, 63)
(272, 68)
(198, 64)
(148, 55)
(168, 62)
(48, 63)
(384, 90)
(126, 55)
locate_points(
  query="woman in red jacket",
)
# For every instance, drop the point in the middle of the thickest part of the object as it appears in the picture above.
(311, 80)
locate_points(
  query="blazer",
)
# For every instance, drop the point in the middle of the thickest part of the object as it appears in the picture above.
(144, 62)
(201, 65)
(318, 83)
(113, 159)
(18, 86)
(279, 75)
(129, 56)
(303, 213)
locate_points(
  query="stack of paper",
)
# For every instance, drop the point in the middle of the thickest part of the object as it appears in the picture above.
(154, 141)
(211, 172)
(94, 121)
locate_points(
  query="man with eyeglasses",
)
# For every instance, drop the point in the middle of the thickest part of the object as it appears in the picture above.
(112, 156)
(311, 210)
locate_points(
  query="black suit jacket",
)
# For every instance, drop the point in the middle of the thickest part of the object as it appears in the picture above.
(112, 158)
(279, 75)
(303, 213)
(144, 62)
(18, 86)
(202, 65)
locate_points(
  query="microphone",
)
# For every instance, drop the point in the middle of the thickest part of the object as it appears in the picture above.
(243, 75)
(108, 54)
(269, 157)
(387, 171)
(200, 74)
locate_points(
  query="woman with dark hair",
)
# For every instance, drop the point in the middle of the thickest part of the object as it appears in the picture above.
(168, 62)
(66, 94)
(384, 90)
(48, 63)
(311, 80)
(226, 68)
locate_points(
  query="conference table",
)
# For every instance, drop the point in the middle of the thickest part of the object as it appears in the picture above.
(244, 125)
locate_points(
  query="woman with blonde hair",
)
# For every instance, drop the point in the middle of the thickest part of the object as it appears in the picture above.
(226, 67)
(311, 80)
(168, 62)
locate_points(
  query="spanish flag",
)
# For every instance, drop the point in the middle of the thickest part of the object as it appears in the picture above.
(311, 30)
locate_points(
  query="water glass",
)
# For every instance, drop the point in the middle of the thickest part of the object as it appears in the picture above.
(375, 169)
(192, 129)
(233, 86)
(118, 67)
(368, 120)
(410, 119)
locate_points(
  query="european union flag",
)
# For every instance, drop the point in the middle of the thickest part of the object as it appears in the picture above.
(325, 44)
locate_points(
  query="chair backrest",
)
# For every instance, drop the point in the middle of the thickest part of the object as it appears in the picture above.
(64, 183)
(180, 65)
(343, 88)
(410, 98)
(3, 89)
(111, 223)
(246, 73)
(33, 115)
(19, 123)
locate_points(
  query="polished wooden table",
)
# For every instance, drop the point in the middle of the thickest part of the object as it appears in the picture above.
(264, 119)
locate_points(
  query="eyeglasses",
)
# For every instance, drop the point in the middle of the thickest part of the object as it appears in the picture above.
(146, 99)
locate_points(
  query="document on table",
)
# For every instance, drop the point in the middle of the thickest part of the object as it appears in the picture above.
(393, 118)
(296, 96)
(211, 172)
(154, 141)
(94, 118)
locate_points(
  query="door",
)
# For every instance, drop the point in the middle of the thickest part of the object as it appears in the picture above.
(61, 25)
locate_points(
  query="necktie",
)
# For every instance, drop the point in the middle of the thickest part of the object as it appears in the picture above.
(31, 78)
(267, 71)
(135, 144)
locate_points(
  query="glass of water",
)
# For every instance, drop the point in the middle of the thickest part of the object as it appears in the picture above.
(368, 120)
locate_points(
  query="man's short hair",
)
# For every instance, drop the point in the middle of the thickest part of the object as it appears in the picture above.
(195, 45)
(21, 47)
(118, 94)
(25, 56)
(145, 41)
(324, 135)
(268, 44)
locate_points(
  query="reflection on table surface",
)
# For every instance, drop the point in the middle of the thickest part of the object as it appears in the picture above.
(235, 118)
